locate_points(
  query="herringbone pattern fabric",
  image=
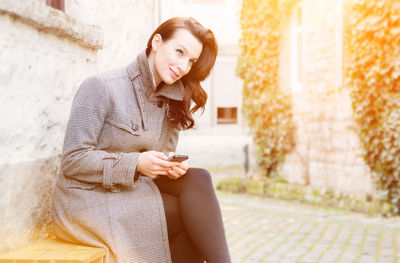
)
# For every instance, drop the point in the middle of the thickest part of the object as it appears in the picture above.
(98, 200)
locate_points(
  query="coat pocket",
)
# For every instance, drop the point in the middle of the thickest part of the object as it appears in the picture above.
(133, 125)
(73, 184)
(84, 196)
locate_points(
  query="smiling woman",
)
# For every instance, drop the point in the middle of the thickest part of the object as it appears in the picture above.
(172, 59)
(116, 188)
(183, 36)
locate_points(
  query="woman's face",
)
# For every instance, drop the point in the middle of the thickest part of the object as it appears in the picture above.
(170, 60)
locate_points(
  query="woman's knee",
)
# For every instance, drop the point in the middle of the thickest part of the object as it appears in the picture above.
(199, 176)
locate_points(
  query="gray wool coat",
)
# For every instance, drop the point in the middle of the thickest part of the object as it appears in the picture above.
(99, 198)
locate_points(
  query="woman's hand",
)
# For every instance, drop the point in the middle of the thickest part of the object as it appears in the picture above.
(153, 164)
(178, 169)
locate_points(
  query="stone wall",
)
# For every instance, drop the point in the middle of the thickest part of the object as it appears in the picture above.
(45, 54)
(327, 154)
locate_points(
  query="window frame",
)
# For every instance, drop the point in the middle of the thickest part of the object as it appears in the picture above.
(227, 115)
(57, 4)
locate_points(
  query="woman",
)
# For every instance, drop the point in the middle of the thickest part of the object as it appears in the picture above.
(116, 188)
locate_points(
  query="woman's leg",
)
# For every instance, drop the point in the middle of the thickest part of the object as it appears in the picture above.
(200, 212)
(182, 248)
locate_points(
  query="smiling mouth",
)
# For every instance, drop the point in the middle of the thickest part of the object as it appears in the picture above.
(173, 73)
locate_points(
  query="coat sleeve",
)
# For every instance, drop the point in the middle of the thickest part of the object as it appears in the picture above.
(80, 158)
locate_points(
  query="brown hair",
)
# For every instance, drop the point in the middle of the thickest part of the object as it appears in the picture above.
(181, 112)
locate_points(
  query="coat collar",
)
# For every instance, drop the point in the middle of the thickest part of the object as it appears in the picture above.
(141, 68)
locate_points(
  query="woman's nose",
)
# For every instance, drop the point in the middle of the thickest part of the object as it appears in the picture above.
(184, 66)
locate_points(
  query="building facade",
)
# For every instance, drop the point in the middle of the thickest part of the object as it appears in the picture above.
(327, 153)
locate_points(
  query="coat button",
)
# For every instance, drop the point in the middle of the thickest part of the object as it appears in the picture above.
(160, 103)
(135, 127)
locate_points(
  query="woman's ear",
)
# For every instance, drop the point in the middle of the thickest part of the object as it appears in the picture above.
(156, 42)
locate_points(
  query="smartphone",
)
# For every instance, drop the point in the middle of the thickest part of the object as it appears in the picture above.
(178, 158)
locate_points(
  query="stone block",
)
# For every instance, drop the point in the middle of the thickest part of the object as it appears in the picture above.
(42, 17)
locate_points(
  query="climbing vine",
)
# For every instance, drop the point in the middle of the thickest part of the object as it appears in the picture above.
(266, 107)
(372, 66)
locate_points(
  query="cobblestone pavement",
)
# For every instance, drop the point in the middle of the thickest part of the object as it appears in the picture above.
(266, 230)
(272, 231)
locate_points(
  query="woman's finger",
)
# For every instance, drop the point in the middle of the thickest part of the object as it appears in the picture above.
(178, 170)
(159, 155)
(172, 175)
(175, 173)
(184, 165)
(160, 172)
(164, 164)
(160, 168)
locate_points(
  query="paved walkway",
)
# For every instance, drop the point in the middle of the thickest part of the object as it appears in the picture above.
(271, 231)
(221, 147)
(266, 230)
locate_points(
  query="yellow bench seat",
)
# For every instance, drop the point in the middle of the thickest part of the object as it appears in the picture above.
(54, 251)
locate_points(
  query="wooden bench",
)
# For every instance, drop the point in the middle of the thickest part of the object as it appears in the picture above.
(52, 251)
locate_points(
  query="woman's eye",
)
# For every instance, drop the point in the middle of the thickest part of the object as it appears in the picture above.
(180, 52)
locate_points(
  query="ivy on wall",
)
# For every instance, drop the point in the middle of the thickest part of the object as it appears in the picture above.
(266, 107)
(372, 66)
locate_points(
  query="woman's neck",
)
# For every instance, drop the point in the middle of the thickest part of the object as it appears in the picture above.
(151, 60)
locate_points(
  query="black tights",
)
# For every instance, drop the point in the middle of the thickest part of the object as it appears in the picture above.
(194, 221)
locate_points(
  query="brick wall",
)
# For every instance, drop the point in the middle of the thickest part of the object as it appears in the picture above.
(328, 148)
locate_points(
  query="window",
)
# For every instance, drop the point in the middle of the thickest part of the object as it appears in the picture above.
(226, 115)
(57, 4)
(297, 50)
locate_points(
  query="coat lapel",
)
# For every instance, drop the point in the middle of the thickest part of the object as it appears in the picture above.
(139, 74)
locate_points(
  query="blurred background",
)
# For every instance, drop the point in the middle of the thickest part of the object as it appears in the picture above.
(303, 100)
